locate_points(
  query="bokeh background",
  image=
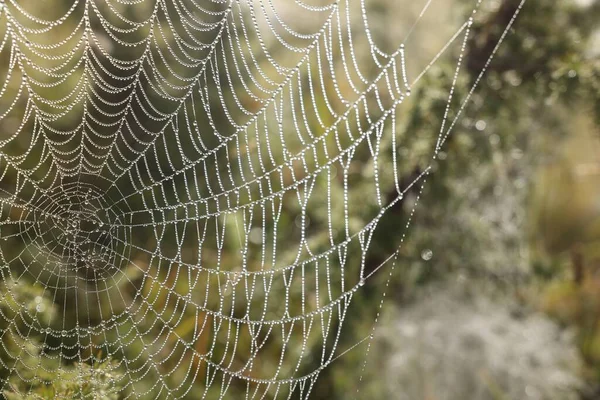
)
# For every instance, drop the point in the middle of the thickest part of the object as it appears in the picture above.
(495, 292)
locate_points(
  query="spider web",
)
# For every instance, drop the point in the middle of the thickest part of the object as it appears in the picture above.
(176, 179)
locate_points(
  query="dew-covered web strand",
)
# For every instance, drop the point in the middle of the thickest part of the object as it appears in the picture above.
(136, 89)
(441, 139)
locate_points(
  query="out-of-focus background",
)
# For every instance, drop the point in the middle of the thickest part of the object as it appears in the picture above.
(495, 293)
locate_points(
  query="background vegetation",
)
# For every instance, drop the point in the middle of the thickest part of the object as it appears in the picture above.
(495, 293)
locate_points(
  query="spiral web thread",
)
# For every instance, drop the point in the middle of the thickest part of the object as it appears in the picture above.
(152, 150)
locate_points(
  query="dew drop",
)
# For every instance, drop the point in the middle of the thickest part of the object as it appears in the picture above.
(427, 254)
(480, 125)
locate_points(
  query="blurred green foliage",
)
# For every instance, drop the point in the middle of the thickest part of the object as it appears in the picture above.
(511, 205)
